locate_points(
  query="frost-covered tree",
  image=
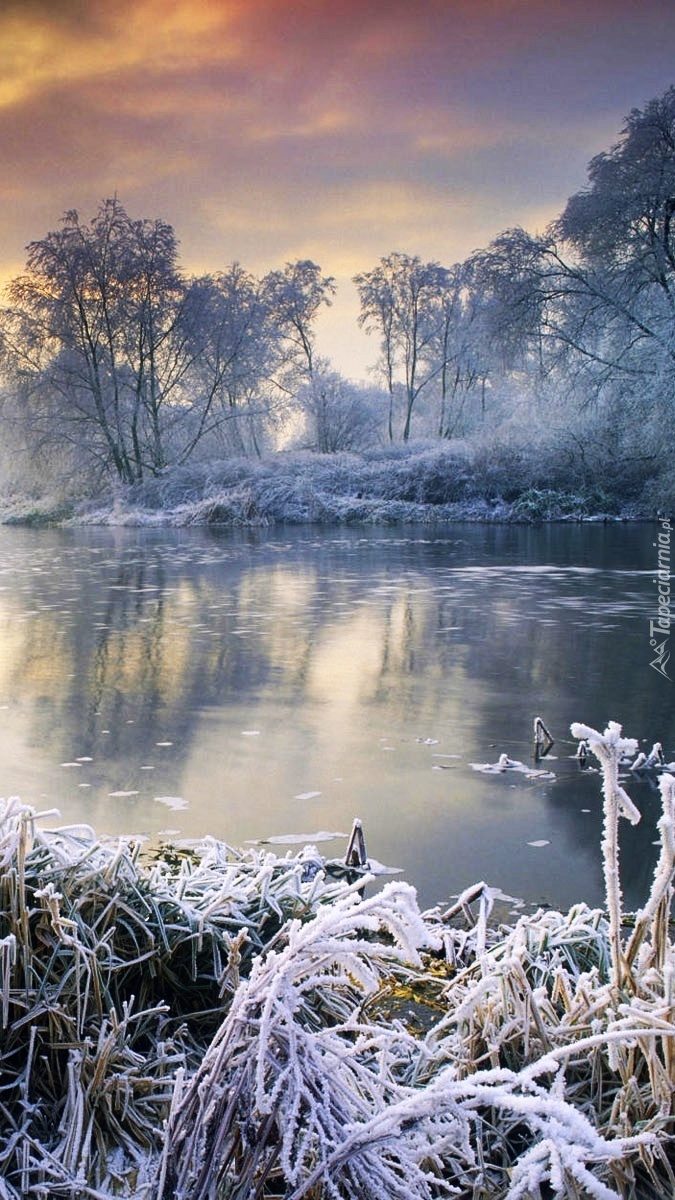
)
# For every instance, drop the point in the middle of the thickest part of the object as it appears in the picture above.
(458, 353)
(339, 414)
(595, 296)
(237, 352)
(401, 302)
(614, 257)
(295, 295)
(506, 284)
(109, 349)
(96, 344)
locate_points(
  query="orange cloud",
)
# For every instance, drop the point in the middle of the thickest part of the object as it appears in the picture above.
(41, 49)
(269, 129)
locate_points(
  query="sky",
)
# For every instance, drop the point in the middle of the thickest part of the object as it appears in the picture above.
(336, 130)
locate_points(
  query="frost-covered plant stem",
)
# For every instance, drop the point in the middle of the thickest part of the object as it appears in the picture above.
(608, 748)
(655, 912)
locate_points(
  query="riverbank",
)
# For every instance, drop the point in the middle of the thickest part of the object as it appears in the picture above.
(419, 484)
(209, 1022)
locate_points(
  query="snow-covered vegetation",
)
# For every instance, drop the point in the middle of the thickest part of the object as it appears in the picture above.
(204, 1023)
(542, 366)
(420, 482)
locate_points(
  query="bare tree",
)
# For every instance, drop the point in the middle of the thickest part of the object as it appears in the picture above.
(238, 353)
(95, 341)
(294, 296)
(400, 302)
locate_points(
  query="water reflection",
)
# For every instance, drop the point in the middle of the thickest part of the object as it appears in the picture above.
(254, 684)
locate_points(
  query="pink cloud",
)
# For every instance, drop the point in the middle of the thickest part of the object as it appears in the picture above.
(267, 128)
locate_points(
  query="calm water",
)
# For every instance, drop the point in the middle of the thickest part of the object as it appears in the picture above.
(254, 684)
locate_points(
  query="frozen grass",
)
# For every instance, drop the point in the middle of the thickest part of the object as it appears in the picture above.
(215, 1025)
(419, 483)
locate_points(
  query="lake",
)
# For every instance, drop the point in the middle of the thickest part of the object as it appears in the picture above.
(258, 684)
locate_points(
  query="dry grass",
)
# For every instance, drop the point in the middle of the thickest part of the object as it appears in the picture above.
(212, 1025)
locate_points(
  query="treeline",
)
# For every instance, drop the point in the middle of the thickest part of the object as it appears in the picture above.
(564, 338)
(118, 365)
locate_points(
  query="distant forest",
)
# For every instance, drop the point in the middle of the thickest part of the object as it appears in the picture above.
(541, 366)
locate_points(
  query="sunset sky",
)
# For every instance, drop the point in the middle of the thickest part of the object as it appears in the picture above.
(337, 130)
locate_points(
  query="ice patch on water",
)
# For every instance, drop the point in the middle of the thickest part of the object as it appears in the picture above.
(172, 802)
(504, 763)
(297, 839)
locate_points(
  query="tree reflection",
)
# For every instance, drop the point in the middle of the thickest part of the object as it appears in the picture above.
(336, 648)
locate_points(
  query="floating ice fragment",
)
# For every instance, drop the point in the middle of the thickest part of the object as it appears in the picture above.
(123, 793)
(427, 741)
(173, 802)
(540, 842)
(292, 839)
(71, 764)
(307, 795)
(84, 758)
(378, 868)
(503, 763)
(250, 733)
(164, 743)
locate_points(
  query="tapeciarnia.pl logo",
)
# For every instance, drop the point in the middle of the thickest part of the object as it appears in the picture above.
(659, 629)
